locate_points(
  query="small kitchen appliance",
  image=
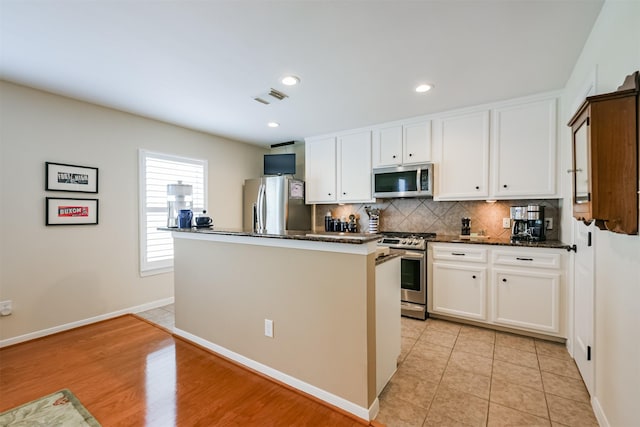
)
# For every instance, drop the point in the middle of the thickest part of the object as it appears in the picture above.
(275, 204)
(528, 223)
(403, 181)
(413, 270)
(179, 197)
(535, 223)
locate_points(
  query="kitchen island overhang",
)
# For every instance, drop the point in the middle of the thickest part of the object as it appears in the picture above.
(318, 292)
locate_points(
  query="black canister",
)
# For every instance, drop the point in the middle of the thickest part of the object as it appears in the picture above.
(327, 222)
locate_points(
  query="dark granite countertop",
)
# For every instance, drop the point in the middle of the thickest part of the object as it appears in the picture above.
(381, 259)
(350, 238)
(501, 241)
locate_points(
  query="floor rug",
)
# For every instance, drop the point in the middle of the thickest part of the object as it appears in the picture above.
(61, 408)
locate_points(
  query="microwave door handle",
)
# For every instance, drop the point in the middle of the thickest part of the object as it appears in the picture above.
(418, 180)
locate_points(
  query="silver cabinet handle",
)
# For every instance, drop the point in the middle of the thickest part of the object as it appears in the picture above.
(457, 254)
(573, 170)
(524, 259)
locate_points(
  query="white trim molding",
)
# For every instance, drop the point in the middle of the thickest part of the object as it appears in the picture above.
(65, 327)
(366, 414)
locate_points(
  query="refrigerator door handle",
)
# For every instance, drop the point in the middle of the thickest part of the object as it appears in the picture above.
(261, 195)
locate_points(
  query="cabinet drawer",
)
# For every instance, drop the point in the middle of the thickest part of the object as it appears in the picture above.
(532, 259)
(456, 252)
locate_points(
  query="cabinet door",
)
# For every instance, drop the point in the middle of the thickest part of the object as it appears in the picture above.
(462, 152)
(417, 143)
(526, 299)
(320, 170)
(355, 167)
(390, 146)
(523, 146)
(460, 290)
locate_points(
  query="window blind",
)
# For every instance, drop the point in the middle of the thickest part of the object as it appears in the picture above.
(156, 171)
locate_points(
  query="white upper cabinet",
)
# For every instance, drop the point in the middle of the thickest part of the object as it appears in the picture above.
(320, 170)
(523, 147)
(505, 150)
(513, 158)
(461, 153)
(417, 142)
(355, 167)
(388, 146)
(400, 144)
(338, 168)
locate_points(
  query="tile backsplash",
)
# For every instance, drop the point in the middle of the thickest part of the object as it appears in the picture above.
(428, 216)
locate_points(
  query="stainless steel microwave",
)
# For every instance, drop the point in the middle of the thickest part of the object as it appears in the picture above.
(403, 181)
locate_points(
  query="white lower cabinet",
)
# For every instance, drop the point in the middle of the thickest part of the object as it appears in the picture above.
(460, 290)
(527, 299)
(519, 288)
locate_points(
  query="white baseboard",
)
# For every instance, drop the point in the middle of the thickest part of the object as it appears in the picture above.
(83, 322)
(366, 414)
(599, 413)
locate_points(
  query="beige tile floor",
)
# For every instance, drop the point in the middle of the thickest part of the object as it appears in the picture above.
(163, 316)
(451, 374)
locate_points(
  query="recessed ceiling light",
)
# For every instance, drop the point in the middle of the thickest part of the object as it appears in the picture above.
(273, 124)
(424, 88)
(290, 80)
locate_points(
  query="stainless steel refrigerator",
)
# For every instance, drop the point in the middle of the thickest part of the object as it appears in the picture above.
(275, 204)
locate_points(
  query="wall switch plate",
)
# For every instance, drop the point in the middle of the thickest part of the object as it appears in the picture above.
(268, 328)
(548, 223)
(506, 222)
(6, 307)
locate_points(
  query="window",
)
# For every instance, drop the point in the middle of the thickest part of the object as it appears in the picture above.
(156, 171)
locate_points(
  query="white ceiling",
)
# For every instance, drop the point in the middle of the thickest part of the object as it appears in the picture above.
(200, 63)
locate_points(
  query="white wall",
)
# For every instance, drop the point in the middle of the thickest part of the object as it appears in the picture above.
(612, 52)
(59, 275)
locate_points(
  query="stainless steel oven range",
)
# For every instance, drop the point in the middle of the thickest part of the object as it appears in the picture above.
(413, 278)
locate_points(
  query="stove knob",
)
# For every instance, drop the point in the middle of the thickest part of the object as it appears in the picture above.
(415, 243)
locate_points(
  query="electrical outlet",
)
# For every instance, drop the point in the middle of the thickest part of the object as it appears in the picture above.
(268, 328)
(6, 307)
(548, 223)
(506, 222)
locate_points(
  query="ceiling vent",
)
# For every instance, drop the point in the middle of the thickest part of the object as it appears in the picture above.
(271, 96)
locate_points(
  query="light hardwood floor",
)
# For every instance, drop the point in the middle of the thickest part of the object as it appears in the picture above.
(128, 372)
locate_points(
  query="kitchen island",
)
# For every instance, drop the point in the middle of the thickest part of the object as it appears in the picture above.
(315, 294)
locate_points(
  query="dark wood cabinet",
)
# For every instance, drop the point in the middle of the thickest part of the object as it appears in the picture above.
(605, 158)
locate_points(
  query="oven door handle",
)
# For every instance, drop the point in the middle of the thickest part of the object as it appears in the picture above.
(412, 255)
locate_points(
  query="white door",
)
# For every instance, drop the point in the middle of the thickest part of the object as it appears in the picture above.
(460, 290)
(526, 298)
(320, 170)
(417, 143)
(523, 150)
(355, 167)
(390, 146)
(584, 310)
(461, 148)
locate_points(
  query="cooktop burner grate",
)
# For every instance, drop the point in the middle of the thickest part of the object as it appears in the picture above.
(406, 235)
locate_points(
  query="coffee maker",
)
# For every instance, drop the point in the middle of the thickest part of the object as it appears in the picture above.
(535, 223)
(528, 223)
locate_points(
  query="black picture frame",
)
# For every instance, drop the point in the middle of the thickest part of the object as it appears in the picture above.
(70, 178)
(71, 211)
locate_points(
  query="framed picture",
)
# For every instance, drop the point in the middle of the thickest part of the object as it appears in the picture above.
(71, 211)
(80, 179)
